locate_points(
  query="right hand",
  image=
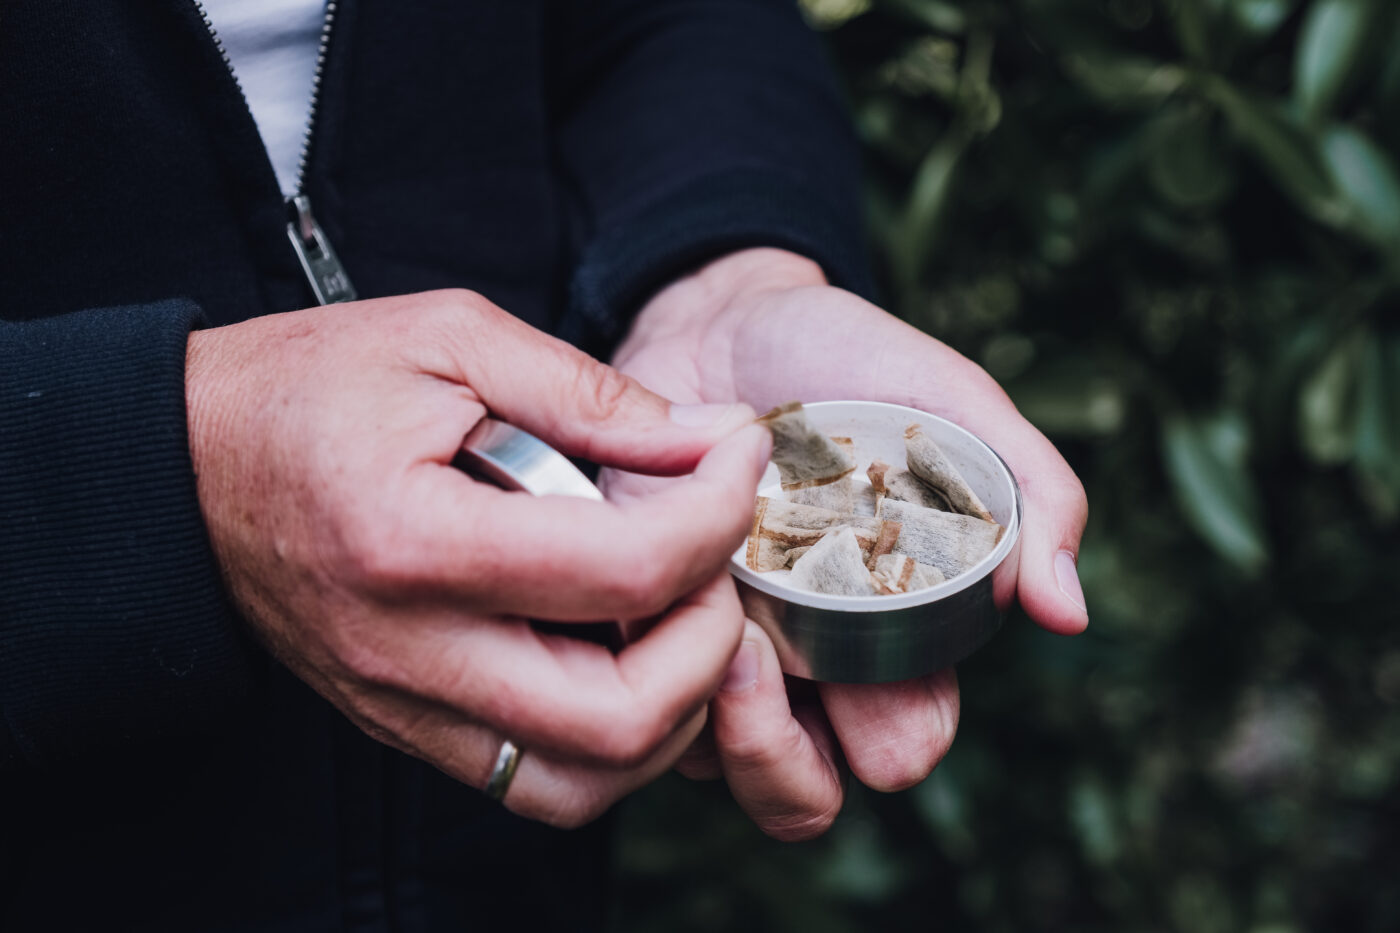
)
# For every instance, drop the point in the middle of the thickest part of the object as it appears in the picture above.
(398, 587)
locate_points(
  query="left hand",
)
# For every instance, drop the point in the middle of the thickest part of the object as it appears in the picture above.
(762, 326)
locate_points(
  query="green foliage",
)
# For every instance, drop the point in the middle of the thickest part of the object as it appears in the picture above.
(1172, 230)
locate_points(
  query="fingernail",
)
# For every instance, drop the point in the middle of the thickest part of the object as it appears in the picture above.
(1067, 576)
(743, 670)
(709, 416)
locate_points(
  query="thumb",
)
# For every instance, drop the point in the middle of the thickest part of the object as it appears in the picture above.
(583, 407)
(1056, 511)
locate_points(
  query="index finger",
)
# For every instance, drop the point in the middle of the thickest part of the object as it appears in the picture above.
(564, 559)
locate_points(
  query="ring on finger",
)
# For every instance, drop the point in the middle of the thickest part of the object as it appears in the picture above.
(507, 760)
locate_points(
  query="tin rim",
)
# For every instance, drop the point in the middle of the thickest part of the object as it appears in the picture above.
(866, 604)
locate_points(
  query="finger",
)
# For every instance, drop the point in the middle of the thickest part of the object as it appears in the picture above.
(585, 408)
(571, 696)
(557, 791)
(894, 734)
(568, 795)
(1055, 513)
(1048, 583)
(564, 559)
(619, 486)
(786, 780)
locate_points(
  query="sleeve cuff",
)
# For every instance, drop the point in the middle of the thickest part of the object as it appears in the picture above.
(113, 621)
(628, 261)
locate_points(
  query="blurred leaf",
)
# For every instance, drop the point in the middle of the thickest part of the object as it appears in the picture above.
(1334, 31)
(928, 67)
(1259, 18)
(1008, 355)
(1205, 461)
(1283, 147)
(1199, 903)
(1327, 405)
(942, 802)
(937, 15)
(1388, 81)
(1378, 419)
(889, 128)
(979, 111)
(1071, 397)
(1124, 81)
(1091, 811)
(914, 237)
(1368, 180)
(828, 14)
(860, 867)
(1195, 26)
(1188, 167)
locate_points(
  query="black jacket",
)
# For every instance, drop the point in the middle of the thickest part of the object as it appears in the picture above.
(562, 158)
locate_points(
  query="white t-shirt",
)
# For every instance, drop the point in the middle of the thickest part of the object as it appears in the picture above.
(273, 45)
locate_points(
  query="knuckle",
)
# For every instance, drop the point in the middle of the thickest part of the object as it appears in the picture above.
(464, 299)
(631, 739)
(601, 390)
(366, 663)
(462, 320)
(638, 588)
(759, 753)
(1062, 495)
(1068, 491)
(371, 558)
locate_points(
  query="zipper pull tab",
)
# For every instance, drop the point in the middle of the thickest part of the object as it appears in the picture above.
(327, 276)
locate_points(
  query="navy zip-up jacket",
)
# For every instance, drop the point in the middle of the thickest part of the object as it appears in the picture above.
(562, 158)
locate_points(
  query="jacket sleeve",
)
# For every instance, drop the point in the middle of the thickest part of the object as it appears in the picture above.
(691, 128)
(113, 622)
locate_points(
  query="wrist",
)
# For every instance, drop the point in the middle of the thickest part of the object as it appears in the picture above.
(703, 300)
(218, 402)
(747, 271)
(202, 411)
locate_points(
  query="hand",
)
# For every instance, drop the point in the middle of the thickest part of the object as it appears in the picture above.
(763, 326)
(399, 588)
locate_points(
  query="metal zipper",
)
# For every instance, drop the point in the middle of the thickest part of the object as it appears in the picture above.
(321, 52)
(327, 276)
(219, 44)
(324, 272)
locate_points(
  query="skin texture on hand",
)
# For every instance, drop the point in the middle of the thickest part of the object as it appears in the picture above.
(762, 326)
(398, 587)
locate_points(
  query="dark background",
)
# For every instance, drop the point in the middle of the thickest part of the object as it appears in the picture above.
(1172, 230)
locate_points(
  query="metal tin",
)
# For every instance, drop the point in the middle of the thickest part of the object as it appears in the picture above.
(843, 639)
(875, 639)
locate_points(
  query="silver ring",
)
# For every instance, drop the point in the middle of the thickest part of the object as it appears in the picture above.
(514, 459)
(507, 760)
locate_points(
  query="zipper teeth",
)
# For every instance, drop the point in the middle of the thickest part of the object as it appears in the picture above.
(321, 53)
(219, 44)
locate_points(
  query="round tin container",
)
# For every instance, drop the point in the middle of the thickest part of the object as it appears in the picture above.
(875, 639)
